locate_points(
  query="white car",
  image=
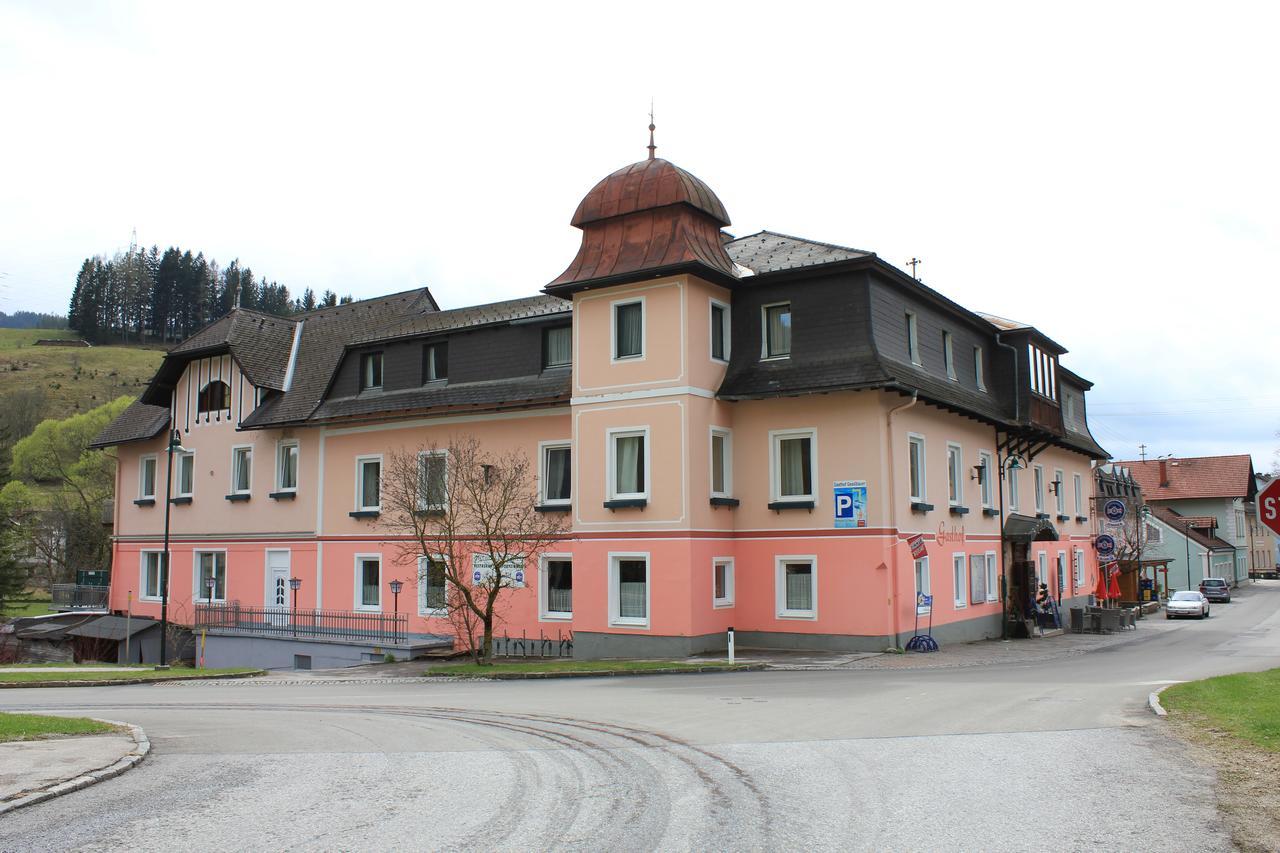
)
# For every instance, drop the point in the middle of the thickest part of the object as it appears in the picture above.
(1187, 603)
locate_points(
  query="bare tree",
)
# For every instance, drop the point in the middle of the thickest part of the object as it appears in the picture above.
(470, 519)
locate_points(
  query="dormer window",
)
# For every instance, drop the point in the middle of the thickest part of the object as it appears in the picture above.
(557, 347)
(435, 362)
(949, 355)
(214, 397)
(777, 330)
(719, 331)
(1044, 372)
(371, 371)
(979, 378)
(913, 339)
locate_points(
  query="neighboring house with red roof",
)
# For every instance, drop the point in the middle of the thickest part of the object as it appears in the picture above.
(1207, 504)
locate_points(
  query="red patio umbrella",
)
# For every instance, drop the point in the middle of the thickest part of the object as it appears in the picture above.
(1101, 592)
(1115, 585)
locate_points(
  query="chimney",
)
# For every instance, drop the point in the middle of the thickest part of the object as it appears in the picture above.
(1164, 473)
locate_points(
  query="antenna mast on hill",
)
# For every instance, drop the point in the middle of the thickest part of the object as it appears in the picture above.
(913, 263)
(1142, 451)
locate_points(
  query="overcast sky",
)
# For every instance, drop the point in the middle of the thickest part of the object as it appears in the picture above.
(1107, 173)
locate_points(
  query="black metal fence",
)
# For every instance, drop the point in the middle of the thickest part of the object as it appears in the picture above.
(73, 596)
(541, 646)
(310, 624)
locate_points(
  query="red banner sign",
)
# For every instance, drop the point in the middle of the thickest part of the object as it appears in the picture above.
(916, 543)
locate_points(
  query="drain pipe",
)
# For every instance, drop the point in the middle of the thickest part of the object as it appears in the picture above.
(893, 515)
(1017, 417)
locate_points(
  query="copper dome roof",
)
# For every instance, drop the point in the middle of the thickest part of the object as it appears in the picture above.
(646, 185)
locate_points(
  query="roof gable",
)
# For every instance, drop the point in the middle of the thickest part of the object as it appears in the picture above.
(1195, 477)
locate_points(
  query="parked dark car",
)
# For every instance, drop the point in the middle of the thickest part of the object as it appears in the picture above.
(1215, 589)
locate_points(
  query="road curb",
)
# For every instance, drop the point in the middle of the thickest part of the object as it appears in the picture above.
(120, 682)
(1153, 702)
(596, 673)
(141, 747)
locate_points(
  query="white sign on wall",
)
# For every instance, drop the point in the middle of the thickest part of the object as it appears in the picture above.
(482, 568)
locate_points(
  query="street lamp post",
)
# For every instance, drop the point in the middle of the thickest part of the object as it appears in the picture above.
(295, 584)
(396, 586)
(174, 445)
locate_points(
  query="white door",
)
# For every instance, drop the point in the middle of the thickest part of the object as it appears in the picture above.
(278, 586)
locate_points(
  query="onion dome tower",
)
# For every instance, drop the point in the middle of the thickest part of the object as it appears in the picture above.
(647, 220)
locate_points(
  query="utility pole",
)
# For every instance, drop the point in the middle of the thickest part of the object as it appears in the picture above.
(1142, 451)
(913, 263)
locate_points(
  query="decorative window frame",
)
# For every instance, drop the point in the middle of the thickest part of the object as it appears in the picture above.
(142, 574)
(986, 488)
(423, 506)
(180, 457)
(198, 595)
(154, 458)
(543, 447)
(361, 461)
(764, 331)
(616, 620)
(727, 443)
(614, 305)
(729, 598)
(357, 564)
(776, 437)
(955, 468)
(915, 439)
(993, 577)
(611, 451)
(544, 594)
(423, 610)
(726, 327)
(780, 586)
(248, 490)
(281, 447)
(960, 582)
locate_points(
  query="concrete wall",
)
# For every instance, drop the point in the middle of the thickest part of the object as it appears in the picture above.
(272, 653)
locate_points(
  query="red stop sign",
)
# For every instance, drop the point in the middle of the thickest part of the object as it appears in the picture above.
(1269, 506)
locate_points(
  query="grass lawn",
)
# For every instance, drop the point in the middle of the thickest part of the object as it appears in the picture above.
(1245, 705)
(35, 726)
(551, 666)
(147, 673)
(15, 608)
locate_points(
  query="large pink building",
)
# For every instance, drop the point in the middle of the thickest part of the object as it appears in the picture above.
(742, 432)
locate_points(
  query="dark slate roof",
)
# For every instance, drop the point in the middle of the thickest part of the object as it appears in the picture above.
(1025, 528)
(112, 627)
(769, 251)
(1180, 523)
(516, 392)
(260, 343)
(476, 315)
(324, 336)
(139, 422)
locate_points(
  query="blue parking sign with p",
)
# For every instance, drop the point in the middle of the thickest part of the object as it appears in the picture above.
(850, 498)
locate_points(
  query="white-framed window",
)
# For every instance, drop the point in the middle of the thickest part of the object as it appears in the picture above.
(1078, 484)
(1060, 489)
(1155, 536)
(368, 578)
(371, 371)
(287, 466)
(629, 463)
(241, 469)
(214, 397)
(977, 579)
(556, 474)
(209, 565)
(1044, 372)
(557, 347)
(979, 374)
(913, 339)
(186, 485)
(627, 323)
(1038, 475)
(797, 586)
(722, 582)
(916, 468)
(793, 463)
(433, 480)
(955, 474)
(435, 361)
(993, 577)
(368, 483)
(923, 584)
(1078, 568)
(949, 355)
(432, 585)
(988, 477)
(1042, 568)
(147, 477)
(555, 588)
(775, 322)
(1063, 580)
(150, 580)
(629, 589)
(719, 331)
(959, 581)
(1013, 487)
(721, 463)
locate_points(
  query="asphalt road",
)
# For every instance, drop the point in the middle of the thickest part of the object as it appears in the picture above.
(1056, 755)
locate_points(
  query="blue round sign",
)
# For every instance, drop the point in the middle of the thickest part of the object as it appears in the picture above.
(1113, 511)
(1106, 545)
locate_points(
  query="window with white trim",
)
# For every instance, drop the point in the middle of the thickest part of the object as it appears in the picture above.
(989, 474)
(1079, 492)
(628, 329)
(369, 483)
(557, 474)
(777, 330)
(1078, 568)
(1060, 488)
(721, 463)
(186, 484)
(977, 579)
(955, 475)
(993, 578)
(913, 339)
(557, 347)
(557, 586)
(722, 582)
(1155, 536)
(628, 464)
(629, 590)
(147, 477)
(1038, 475)
(1044, 366)
(287, 466)
(793, 464)
(949, 355)
(1062, 574)
(152, 561)
(432, 591)
(241, 470)
(210, 564)
(1042, 568)
(1013, 487)
(371, 371)
(978, 370)
(368, 582)
(959, 581)
(435, 362)
(719, 331)
(923, 584)
(797, 587)
(916, 468)
(433, 480)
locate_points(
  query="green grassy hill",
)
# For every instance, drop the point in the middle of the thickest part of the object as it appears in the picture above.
(73, 379)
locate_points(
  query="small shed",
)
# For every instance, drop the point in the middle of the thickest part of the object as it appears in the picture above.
(132, 640)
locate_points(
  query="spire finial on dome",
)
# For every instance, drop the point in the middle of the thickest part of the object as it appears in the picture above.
(652, 147)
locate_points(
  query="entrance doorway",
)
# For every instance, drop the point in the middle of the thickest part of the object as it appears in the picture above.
(277, 592)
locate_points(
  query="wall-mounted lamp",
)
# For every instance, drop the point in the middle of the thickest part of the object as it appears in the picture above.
(979, 473)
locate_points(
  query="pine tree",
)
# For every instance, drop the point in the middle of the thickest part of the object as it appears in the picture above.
(308, 300)
(329, 299)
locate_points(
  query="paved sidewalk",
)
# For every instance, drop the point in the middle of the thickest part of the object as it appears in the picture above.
(32, 771)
